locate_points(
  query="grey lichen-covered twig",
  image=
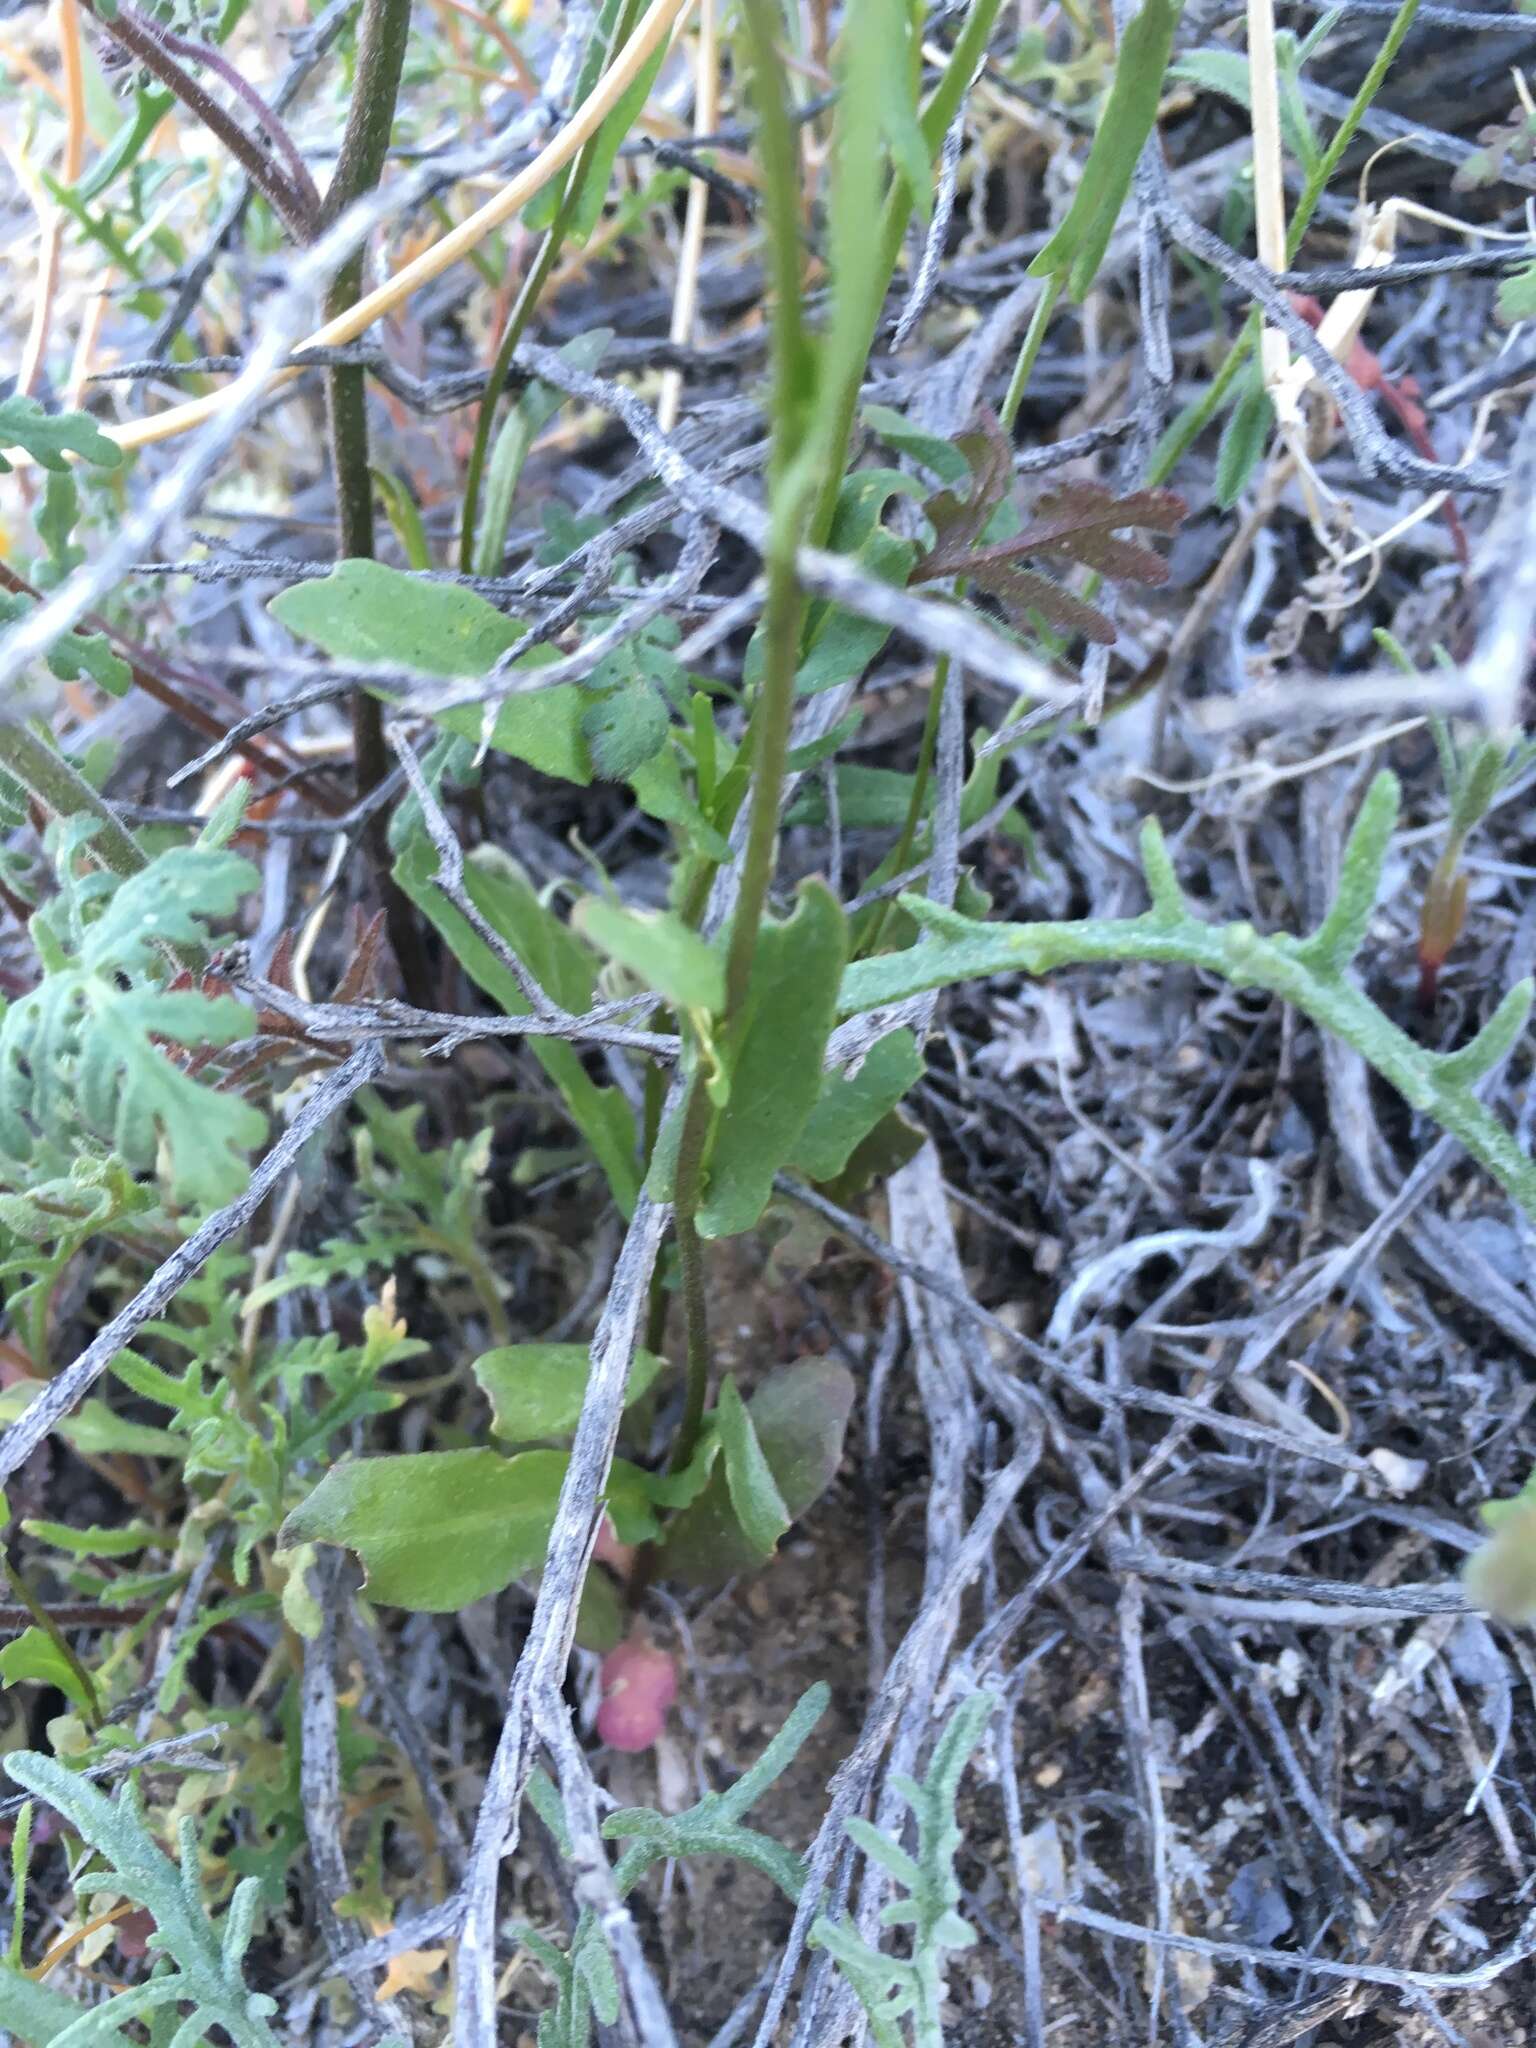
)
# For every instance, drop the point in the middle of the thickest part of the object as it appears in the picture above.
(1311, 973)
(535, 1701)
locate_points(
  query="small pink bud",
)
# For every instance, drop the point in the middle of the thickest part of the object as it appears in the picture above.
(639, 1684)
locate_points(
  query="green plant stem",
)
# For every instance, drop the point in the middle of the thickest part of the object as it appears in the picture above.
(50, 1628)
(900, 858)
(465, 1254)
(690, 1261)
(1192, 421)
(806, 468)
(768, 732)
(64, 793)
(381, 41)
(772, 718)
(528, 295)
(1029, 349)
(830, 432)
(530, 291)
(837, 408)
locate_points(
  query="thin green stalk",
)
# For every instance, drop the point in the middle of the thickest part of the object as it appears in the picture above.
(1198, 414)
(837, 409)
(529, 293)
(64, 792)
(1029, 349)
(1194, 418)
(768, 733)
(828, 435)
(772, 718)
(1344, 135)
(381, 41)
(481, 1275)
(690, 1263)
(900, 858)
(59, 1640)
(790, 485)
(812, 429)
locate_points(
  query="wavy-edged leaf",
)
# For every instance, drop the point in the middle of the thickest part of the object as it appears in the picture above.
(775, 1063)
(756, 1501)
(852, 1106)
(536, 1390)
(435, 1530)
(365, 611)
(48, 437)
(655, 945)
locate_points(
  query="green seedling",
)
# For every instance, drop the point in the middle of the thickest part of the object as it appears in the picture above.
(903, 1995)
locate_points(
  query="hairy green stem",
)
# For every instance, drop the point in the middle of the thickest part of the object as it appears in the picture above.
(50, 1628)
(789, 495)
(768, 733)
(64, 792)
(381, 41)
(812, 428)
(690, 1262)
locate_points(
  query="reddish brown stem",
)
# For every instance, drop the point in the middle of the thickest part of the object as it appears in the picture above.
(269, 122)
